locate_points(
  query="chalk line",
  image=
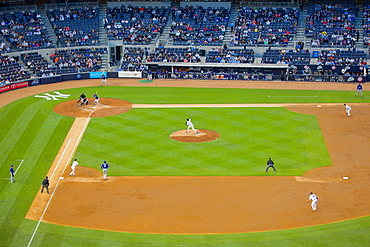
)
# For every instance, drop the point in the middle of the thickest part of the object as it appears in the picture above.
(57, 184)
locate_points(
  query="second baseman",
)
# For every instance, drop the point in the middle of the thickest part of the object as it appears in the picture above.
(313, 198)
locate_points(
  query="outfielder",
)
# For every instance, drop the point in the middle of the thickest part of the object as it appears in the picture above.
(96, 97)
(313, 199)
(190, 125)
(83, 99)
(12, 174)
(359, 90)
(73, 167)
(348, 109)
(105, 166)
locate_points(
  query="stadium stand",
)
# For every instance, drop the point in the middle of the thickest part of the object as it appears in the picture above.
(366, 23)
(75, 26)
(331, 24)
(25, 30)
(265, 26)
(190, 39)
(136, 25)
(230, 56)
(11, 70)
(78, 60)
(341, 57)
(39, 66)
(4, 48)
(199, 26)
(132, 59)
(185, 55)
(286, 56)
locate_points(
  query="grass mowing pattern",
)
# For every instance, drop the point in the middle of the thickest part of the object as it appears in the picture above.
(137, 143)
(30, 131)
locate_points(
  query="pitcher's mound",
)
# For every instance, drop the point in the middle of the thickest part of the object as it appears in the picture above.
(107, 107)
(203, 136)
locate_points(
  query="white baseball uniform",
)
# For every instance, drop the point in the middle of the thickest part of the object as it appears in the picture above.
(348, 109)
(73, 167)
(191, 125)
(313, 199)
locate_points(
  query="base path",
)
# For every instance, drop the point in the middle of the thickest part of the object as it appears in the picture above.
(198, 205)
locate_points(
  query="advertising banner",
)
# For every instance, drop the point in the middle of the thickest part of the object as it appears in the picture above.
(14, 86)
(129, 74)
(95, 75)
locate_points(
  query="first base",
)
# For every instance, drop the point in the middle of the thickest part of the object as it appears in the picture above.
(319, 106)
(345, 177)
(61, 178)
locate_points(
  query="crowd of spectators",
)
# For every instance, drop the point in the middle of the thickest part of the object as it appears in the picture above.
(135, 25)
(78, 60)
(264, 26)
(342, 57)
(332, 25)
(75, 26)
(4, 48)
(214, 75)
(25, 30)
(39, 66)
(292, 56)
(132, 59)
(11, 71)
(181, 55)
(230, 56)
(195, 25)
(366, 25)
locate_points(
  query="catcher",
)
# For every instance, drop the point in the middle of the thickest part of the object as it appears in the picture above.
(83, 99)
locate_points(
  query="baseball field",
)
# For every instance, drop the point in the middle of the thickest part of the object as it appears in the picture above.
(166, 187)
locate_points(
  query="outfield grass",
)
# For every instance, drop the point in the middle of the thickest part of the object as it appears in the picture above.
(30, 131)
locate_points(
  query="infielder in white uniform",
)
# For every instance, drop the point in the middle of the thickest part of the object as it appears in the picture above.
(73, 167)
(348, 109)
(313, 198)
(190, 125)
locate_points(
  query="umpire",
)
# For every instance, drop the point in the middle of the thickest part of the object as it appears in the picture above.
(270, 163)
(45, 184)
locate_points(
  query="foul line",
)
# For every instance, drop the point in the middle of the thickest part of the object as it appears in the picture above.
(65, 149)
(57, 184)
(18, 167)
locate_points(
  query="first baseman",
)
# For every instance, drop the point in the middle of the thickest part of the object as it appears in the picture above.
(359, 90)
(313, 198)
(73, 167)
(12, 173)
(105, 166)
(348, 109)
(190, 125)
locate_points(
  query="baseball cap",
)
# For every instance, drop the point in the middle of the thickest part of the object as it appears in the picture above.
(12, 165)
